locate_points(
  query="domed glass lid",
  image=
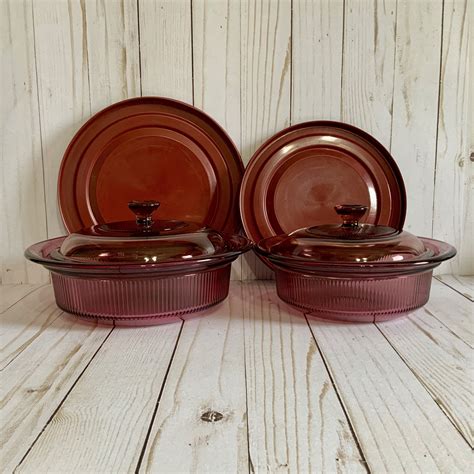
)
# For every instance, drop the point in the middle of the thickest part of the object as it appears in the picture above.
(350, 242)
(147, 241)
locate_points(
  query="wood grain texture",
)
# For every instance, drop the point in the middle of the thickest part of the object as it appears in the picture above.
(63, 88)
(295, 421)
(22, 209)
(24, 322)
(415, 106)
(399, 426)
(216, 55)
(201, 421)
(454, 310)
(441, 361)
(254, 66)
(11, 294)
(102, 425)
(36, 382)
(165, 48)
(216, 59)
(368, 69)
(265, 94)
(454, 179)
(91, 415)
(462, 284)
(317, 47)
(114, 63)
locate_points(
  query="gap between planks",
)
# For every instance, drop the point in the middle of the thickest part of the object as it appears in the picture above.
(464, 285)
(164, 381)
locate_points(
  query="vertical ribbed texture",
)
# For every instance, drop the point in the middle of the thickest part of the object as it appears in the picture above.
(346, 299)
(130, 299)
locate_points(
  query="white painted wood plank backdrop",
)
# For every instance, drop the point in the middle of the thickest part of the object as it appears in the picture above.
(246, 386)
(400, 427)
(115, 400)
(295, 420)
(206, 380)
(396, 68)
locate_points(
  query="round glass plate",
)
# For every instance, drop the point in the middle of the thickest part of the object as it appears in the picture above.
(144, 147)
(295, 179)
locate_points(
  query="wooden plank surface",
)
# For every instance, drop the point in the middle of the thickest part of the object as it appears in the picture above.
(216, 75)
(36, 382)
(23, 323)
(11, 294)
(368, 66)
(256, 67)
(440, 360)
(81, 398)
(454, 169)
(415, 105)
(317, 27)
(165, 48)
(462, 284)
(399, 426)
(295, 421)
(454, 310)
(22, 208)
(63, 87)
(113, 55)
(111, 406)
(265, 94)
(201, 423)
(216, 57)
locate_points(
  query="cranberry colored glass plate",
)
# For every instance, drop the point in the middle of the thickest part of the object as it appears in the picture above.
(145, 149)
(295, 179)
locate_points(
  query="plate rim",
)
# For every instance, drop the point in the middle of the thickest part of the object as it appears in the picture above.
(320, 123)
(161, 100)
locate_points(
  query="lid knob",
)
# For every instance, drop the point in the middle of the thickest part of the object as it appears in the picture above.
(350, 213)
(143, 211)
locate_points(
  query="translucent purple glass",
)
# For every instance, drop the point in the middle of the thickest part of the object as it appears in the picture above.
(139, 273)
(354, 299)
(353, 272)
(141, 301)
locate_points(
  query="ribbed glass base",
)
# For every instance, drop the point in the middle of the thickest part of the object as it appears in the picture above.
(354, 299)
(140, 301)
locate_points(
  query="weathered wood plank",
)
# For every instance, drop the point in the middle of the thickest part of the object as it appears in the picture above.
(11, 294)
(441, 361)
(63, 88)
(265, 95)
(399, 426)
(216, 50)
(453, 309)
(216, 58)
(454, 170)
(113, 52)
(415, 106)
(295, 420)
(462, 284)
(165, 48)
(317, 60)
(103, 423)
(23, 213)
(36, 382)
(201, 423)
(23, 323)
(368, 70)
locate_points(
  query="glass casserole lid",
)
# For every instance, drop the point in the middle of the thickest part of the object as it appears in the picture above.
(144, 242)
(352, 244)
(139, 272)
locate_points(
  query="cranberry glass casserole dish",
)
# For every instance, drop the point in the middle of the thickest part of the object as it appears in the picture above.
(353, 271)
(139, 272)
